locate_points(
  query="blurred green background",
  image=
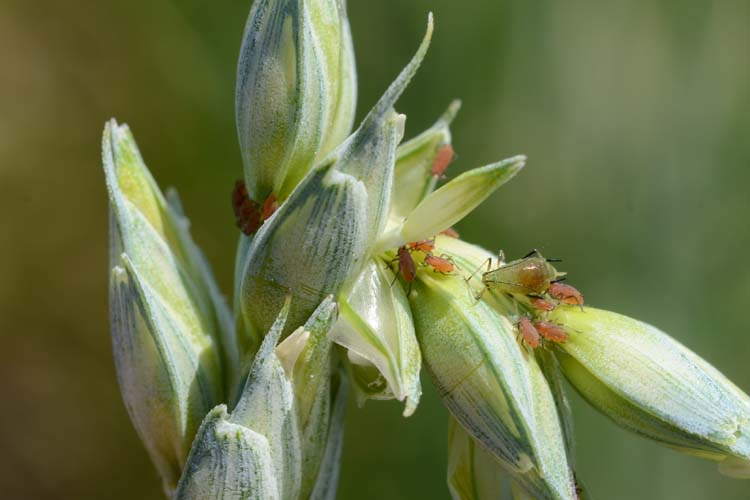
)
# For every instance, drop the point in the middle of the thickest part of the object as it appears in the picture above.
(635, 117)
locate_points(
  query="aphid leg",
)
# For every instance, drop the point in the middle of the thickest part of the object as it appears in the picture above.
(478, 296)
(389, 266)
(522, 343)
(395, 277)
(489, 266)
(448, 258)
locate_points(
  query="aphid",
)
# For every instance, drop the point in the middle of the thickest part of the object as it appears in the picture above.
(249, 220)
(442, 264)
(566, 293)
(551, 332)
(529, 334)
(541, 304)
(248, 214)
(443, 158)
(450, 232)
(269, 206)
(246, 211)
(405, 266)
(239, 195)
(530, 275)
(425, 246)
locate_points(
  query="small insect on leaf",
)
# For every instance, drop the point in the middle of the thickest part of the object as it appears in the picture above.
(443, 265)
(541, 304)
(443, 159)
(269, 206)
(566, 293)
(551, 332)
(246, 212)
(239, 195)
(529, 334)
(425, 246)
(530, 275)
(450, 232)
(406, 265)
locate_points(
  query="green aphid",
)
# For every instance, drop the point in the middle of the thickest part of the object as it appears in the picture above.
(531, 275)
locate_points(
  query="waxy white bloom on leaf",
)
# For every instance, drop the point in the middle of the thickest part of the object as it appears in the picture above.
(296, 90)
(649, 383)
(473, 473)
(171, 331)
(377, 328)
(323, 232)
(283, 438)
(493, 386)
(339, 246)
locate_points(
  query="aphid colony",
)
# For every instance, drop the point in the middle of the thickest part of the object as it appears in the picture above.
(442, 264)
(534, 284)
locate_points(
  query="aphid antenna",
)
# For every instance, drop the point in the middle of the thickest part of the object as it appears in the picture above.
(533, 252)
(559, 280)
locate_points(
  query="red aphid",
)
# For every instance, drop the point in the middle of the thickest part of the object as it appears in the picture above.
(551, 332)
(249, 220)
(269, 206)
(541, 304)
(443, 265)
(443, 158)
(406, 265)
(566, 293)
(246, 212)
(239, 195)
(450, 232)
(425, 246)
(528, 332)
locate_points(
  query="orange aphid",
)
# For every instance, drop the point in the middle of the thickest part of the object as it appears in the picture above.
(442, 265)
(270, 206)
(541, 304)
(551, 332)
(425, 246)
(528, 332)
(450, 232)
(566, 293)
(443, 158)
